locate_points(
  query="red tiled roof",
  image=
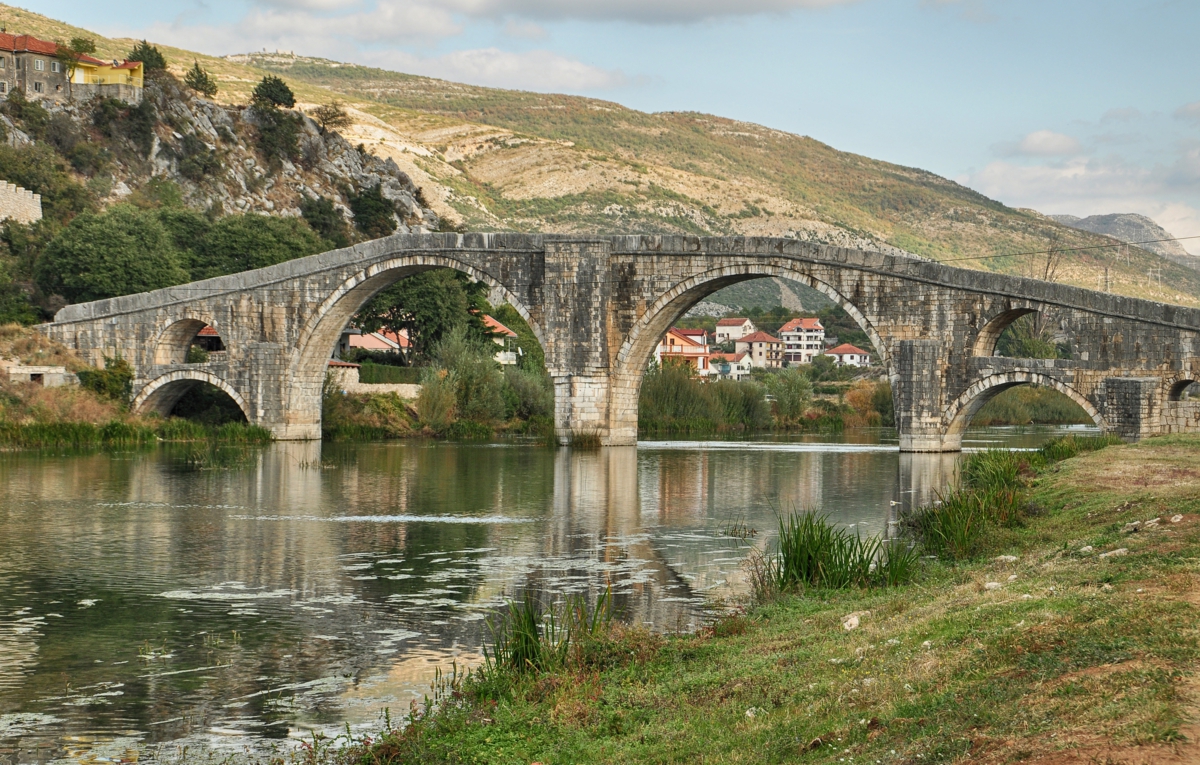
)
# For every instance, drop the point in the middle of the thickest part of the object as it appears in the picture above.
(731, 322)
(496, 327)
(207, 332)
(689, 331)
(759, 337)
(26, 44)
(845, 348)
(802, 323)
(727, 356)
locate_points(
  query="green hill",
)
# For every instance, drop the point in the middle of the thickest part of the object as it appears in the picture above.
(493, 159)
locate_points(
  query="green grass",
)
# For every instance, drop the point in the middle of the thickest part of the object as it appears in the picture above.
(41, 435)
(815, 553)
(1073, 653)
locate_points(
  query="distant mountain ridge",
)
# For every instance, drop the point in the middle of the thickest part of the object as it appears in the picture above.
(1131, 227)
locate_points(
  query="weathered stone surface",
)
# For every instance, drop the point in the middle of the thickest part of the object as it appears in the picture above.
(599, 305)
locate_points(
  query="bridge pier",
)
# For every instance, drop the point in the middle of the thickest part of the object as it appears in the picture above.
(918, 398)
(585, 406)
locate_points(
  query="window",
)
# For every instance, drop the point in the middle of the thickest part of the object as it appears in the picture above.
(3, 86)
(3, 62)
(53, 66)
(39, 65)
(37, 87)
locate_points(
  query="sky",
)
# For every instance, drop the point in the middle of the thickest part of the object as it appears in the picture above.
(1065, 106)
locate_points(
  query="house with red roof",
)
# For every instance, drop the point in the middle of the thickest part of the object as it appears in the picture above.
(730, 366)
(765, 351)
(733, 329)
(688, 346)
(32, 66)
(847, 355)
(803, 339)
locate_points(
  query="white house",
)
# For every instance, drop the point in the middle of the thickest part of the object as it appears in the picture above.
(802, 340)
(733, 329)
(849, 356)
(765, 352)
(730, 366)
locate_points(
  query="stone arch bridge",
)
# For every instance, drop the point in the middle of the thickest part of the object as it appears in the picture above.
(599, 305)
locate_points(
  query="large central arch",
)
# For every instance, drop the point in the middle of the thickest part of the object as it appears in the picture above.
(635, 353)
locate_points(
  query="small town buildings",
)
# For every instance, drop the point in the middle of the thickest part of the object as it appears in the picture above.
(733, 329)
(802, 340)
(730, 366)
(847, 355)
(765, 352)
(31, 65)
(688, 346)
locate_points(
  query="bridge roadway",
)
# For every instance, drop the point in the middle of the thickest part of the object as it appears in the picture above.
(599, 305)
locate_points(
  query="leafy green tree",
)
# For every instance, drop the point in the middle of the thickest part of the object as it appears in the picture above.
(41, 170)
(427, 306)
(152, 60)
(119, 252)
(326, 220)
(332, 116)
(199, 80)
(14, 302)
(185, 227)
(272, 92)
(480, 383)
(374, 215)
(792, 393)
(70, 54)
(242, 242)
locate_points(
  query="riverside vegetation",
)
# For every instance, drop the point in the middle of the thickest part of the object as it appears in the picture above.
(1058, 635)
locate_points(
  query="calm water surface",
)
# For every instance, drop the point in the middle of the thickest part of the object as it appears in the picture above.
(150, 607)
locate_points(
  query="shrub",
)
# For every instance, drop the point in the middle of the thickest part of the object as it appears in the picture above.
(120, 252)
(436, 406)
(198, 160)
(332, 116)
(527, 394)
(480, 384)
(815, 553)
(387, 374)
(273, 91)
(326, 220)
(200, 81)
(238, 243)
(114, 382)
(792, 392)
(374, 215)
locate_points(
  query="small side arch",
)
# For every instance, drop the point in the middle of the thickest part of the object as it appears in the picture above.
(1179, 391)
(171, 345)
(959, 413)
(162, 393)
(989, 336)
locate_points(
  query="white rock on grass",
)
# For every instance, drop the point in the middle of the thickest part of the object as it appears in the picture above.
(927, 644)
(1176, 518)
(851, 621)
(1012, 578)
(1007, 558)
(1086, 549)
(992, 586)
(1132, 527)
(1106, 587)
(1115, 553)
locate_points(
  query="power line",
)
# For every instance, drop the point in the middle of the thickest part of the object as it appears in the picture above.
(1067, 249)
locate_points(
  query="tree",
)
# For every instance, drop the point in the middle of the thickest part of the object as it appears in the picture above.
(119, 252)
(151, 58)
(332, 116)
(200, 80)
(274, 92)
(374, 215)
(427, 306)
(69, 55)
(326, 220)
(242, 242)
(792, 393)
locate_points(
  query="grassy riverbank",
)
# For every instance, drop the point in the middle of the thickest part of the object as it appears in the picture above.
(1066, 652)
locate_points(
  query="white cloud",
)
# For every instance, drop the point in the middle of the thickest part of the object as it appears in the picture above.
(524, 30)
(1189, 112)
(646, 11)
(539, 70)
(1082, 186)
(1041, 143)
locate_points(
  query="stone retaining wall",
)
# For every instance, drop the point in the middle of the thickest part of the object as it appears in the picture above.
(19, 204)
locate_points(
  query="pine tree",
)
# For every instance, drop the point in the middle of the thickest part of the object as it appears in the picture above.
(200, 81)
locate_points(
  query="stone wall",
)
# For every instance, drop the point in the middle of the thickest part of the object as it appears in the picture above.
(19, 204)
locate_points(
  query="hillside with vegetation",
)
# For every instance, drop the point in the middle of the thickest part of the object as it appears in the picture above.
(495, 159)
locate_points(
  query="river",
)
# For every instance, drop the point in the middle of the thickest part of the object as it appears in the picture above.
(171, 603)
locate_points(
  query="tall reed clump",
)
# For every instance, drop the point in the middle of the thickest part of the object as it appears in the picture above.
(814, 553)
(528, 637)
(992, 493)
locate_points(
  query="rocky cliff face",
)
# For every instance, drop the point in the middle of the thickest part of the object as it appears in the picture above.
(1131, 227)
(232, 174)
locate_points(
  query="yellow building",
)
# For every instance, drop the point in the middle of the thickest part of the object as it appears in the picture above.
(93, 71)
